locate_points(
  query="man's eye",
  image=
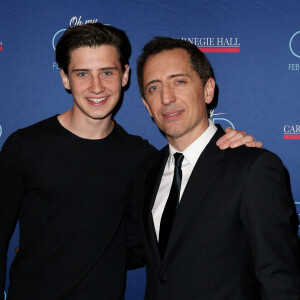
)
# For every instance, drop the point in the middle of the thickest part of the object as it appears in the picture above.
(180, 81)
(107, 73)
(153, 89)
(81, 74)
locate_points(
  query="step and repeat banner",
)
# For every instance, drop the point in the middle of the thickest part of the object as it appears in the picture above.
(253, 46)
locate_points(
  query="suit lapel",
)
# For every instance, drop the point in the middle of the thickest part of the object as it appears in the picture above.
(152, 182)
(200, 181)
(153, 177)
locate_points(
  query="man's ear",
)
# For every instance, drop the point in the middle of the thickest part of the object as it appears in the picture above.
(147, 107)
(209, 90)
(65, 79)
(125, 76)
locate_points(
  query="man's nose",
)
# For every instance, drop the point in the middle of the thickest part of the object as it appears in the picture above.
(167, 96)
(96, 86)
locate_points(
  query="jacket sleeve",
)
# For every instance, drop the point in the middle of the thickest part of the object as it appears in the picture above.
(11, 193)
(134, 249)
(135, 256)
(270, 218)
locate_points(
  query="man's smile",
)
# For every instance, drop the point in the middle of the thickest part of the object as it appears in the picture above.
(97, 100)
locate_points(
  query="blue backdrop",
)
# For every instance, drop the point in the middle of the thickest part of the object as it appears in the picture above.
(254, 47)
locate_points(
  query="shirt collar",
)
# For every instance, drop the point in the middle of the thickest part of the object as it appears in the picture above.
(193, 151)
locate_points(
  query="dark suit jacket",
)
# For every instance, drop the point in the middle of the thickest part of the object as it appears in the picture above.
(235, 231)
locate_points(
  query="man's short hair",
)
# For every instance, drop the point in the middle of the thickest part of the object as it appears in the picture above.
(198, 60)
(92, 35)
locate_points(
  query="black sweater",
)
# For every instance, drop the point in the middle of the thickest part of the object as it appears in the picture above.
(70, 196)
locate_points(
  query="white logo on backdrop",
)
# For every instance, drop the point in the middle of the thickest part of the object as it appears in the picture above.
(55, 35)
(291, 47)
(212, 114)
(75, 21)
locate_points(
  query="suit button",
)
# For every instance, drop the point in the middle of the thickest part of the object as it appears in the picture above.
(162, 279)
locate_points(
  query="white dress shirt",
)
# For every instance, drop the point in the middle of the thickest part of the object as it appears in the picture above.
(191, 155)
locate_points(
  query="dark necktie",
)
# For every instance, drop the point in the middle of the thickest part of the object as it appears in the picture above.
(171, 205)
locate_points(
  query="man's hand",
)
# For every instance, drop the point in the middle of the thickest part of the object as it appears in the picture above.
(235, 138)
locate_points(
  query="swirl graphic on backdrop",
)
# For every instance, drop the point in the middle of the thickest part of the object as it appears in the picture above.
(73, 22)
(54, 37)
(0, 130)
(212, 114)
(296, 44)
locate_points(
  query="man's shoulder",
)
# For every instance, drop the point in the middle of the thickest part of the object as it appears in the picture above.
(36, 130)
(38, 127)
(245, 151)
(156, 158)
(131, 142)
(19, 144)
(247, 156)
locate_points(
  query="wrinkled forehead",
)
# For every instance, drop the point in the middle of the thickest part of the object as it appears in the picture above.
(166, 64)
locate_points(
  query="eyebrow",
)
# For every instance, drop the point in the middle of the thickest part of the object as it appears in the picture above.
(169, 77)
(100, 69)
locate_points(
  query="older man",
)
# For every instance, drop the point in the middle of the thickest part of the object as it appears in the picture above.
(215, 224)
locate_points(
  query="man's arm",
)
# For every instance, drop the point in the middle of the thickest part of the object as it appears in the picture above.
(11, 189)
(235, 138)
(135, 257)
(270, 219)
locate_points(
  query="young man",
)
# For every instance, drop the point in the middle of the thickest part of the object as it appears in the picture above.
(217, 224)
(68, 181)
